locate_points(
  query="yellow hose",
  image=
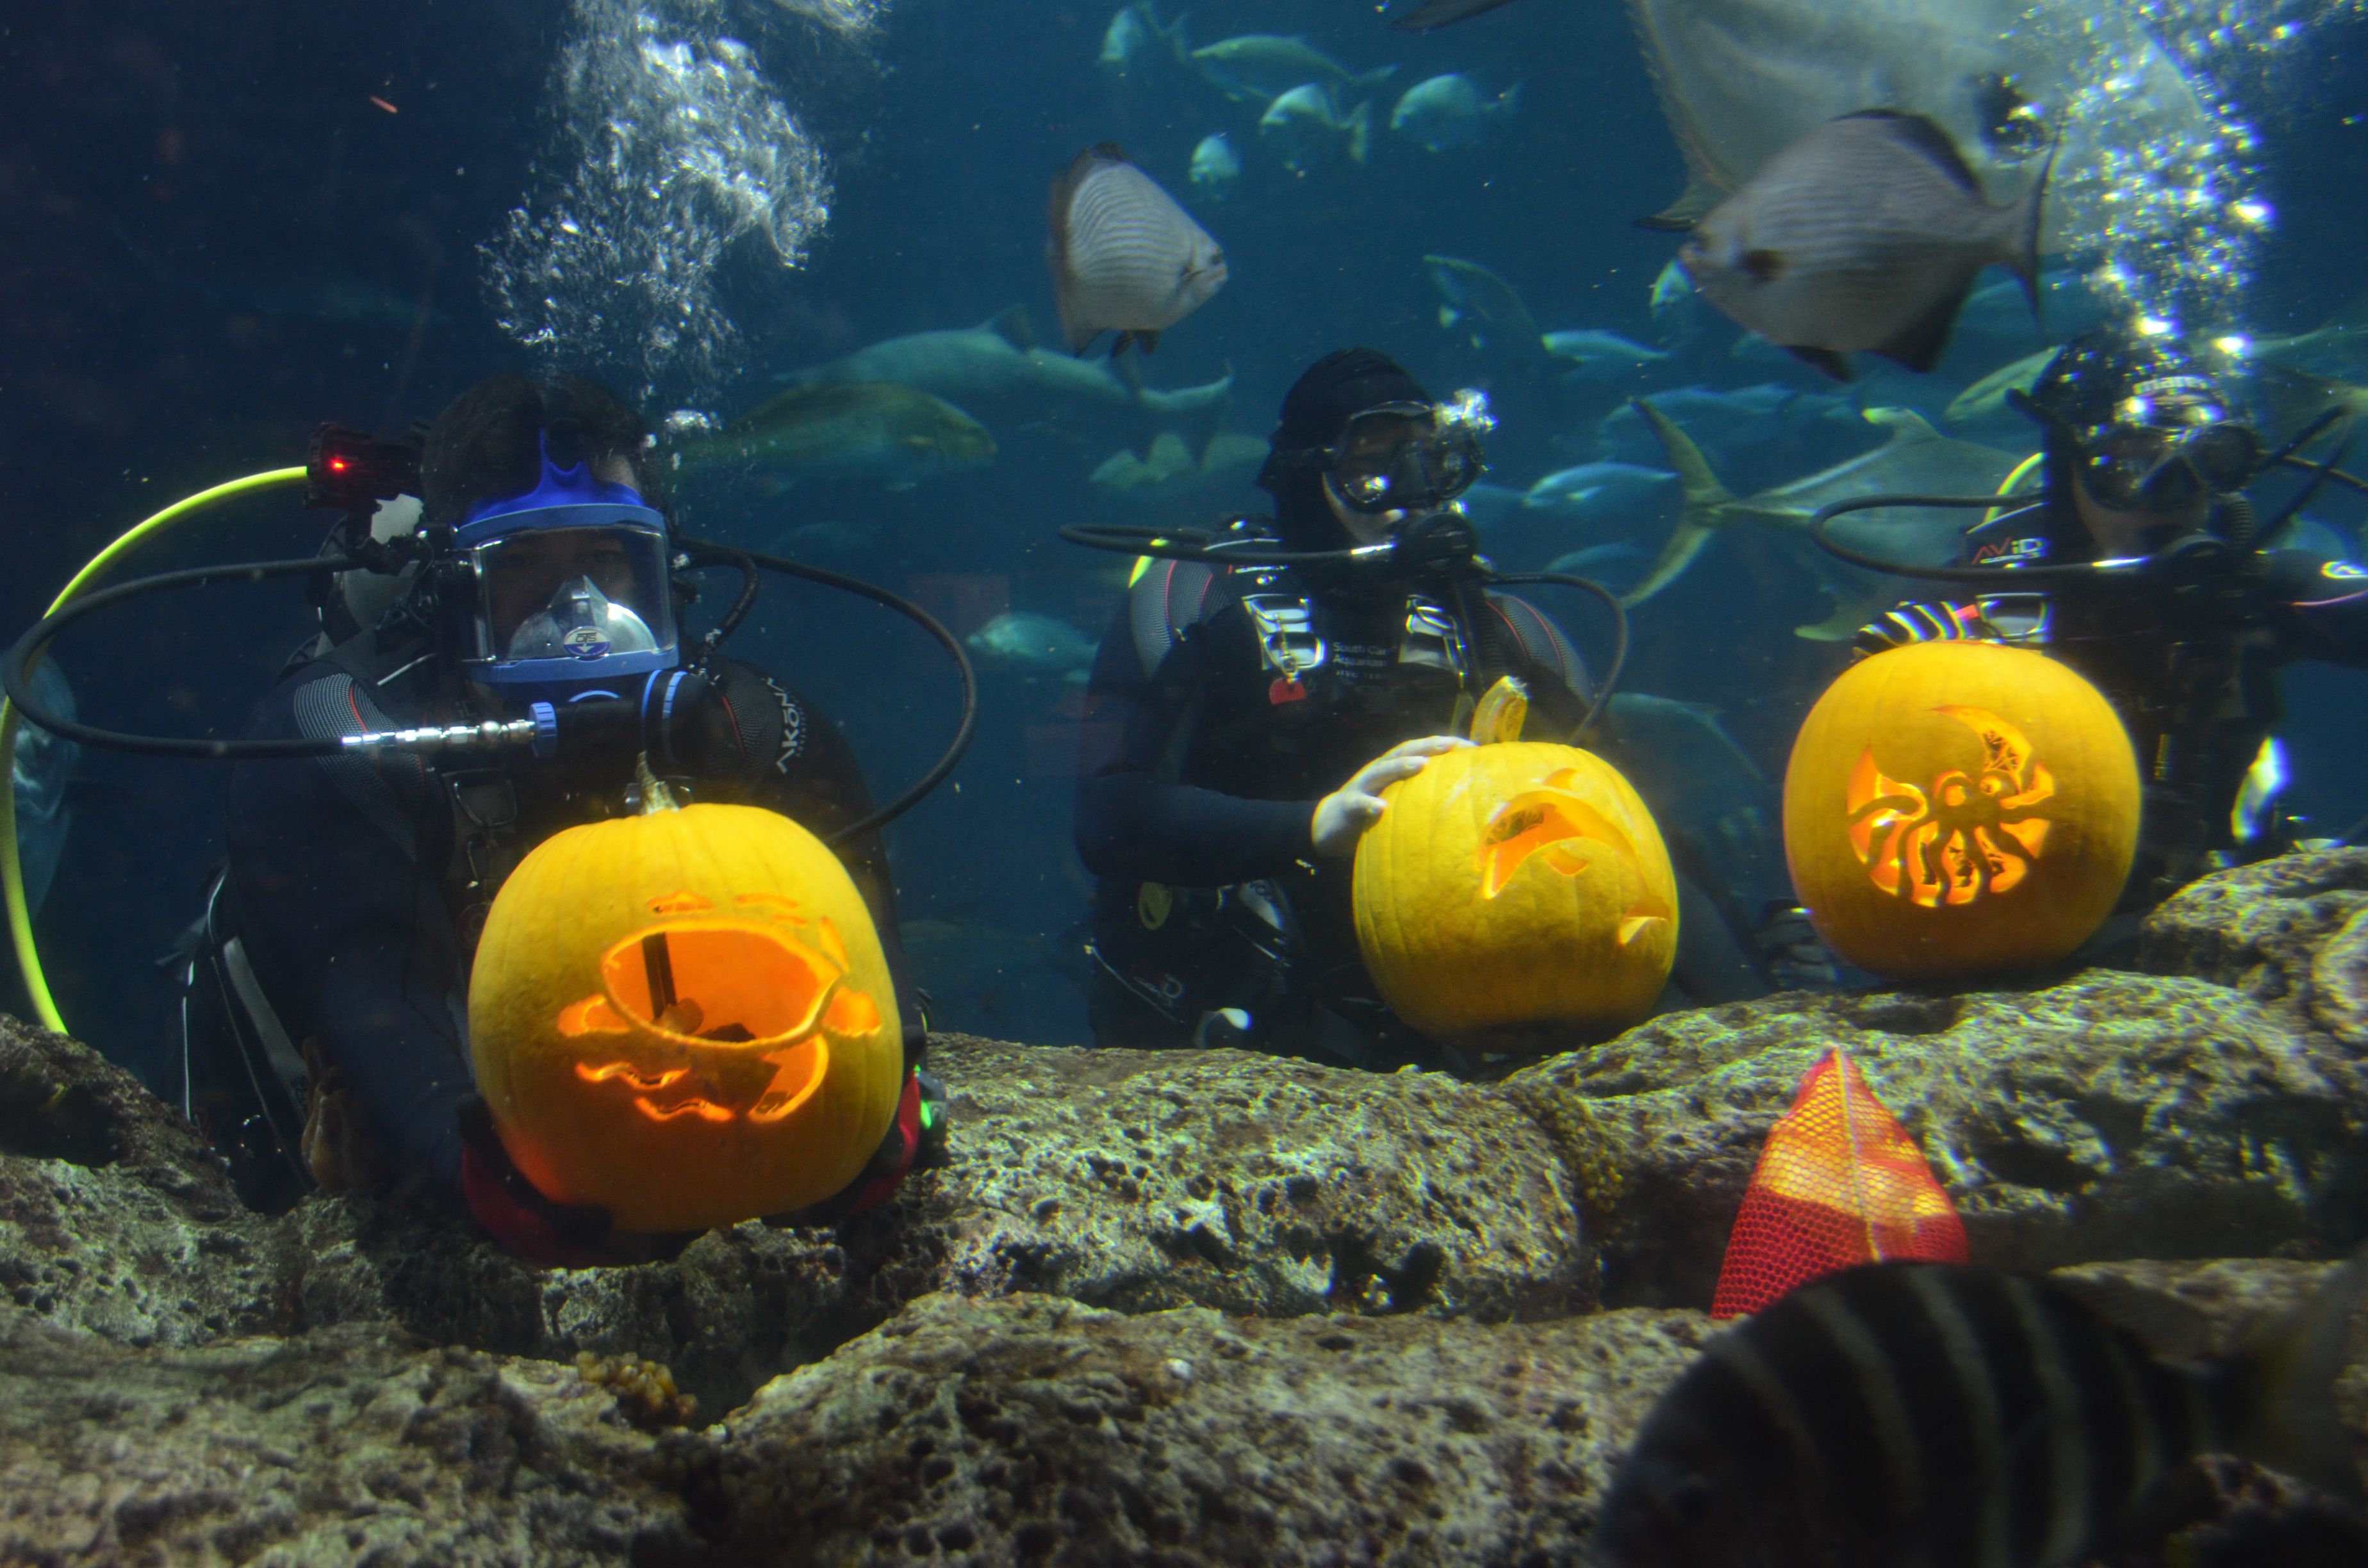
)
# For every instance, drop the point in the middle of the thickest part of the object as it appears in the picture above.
(12, 870)
(2022, 472)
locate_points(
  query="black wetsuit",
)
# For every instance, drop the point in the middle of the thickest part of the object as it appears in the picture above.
(2188, 651)
(359, 885)
(1223, 706)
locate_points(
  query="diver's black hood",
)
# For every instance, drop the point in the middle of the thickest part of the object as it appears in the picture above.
(1337, 388)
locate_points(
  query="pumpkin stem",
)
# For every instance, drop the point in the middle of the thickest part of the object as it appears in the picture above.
(655, 796)
(1503, 710)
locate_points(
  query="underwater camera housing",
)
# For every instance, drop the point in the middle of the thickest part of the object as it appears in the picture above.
(353, 471)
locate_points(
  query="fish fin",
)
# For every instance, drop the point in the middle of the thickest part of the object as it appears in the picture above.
(1851, 611)
(2287, 1370)
(1359, 127)
(1433, 14)
(2168, 1327)
(1825, 359)
(1145, 342)
(1372, 81)
(1106, 152)
(1013, 325)
(1903, 424)
(1509, 102)
(1074, 326)
(1764, 264)
(1680, 216)
(1708, 505)
(1927, 138)
(2027, 217)
(1920, 344)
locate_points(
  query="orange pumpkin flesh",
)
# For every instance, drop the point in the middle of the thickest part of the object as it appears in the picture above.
(1516, 884)
(686, 1018)
(1956, 809)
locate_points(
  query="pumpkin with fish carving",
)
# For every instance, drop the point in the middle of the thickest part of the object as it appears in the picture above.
(1511, 884)
(686, 1018)
(1960, 808)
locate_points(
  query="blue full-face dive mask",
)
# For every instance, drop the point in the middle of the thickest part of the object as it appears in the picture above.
(571, 581)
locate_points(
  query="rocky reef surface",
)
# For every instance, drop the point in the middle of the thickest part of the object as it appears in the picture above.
(1175, 1307)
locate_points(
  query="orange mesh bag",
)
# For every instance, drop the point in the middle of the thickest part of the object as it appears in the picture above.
(1840, 1184)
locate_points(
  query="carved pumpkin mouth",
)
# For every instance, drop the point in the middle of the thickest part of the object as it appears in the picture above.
(740, 1018)
(1551, 826)
(1969, 834)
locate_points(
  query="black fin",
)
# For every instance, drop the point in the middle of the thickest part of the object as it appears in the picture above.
(1667, 224)
(1920, 344)
(2026, 261)
(1825, 359)
(1109, 151)
(1763, 263)
(1930, 140)
(1118, 344)
(1440, 13)
(1146, 341)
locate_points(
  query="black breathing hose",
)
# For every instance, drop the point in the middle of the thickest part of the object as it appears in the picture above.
(15, 670)
(703, 549)
(1611, 681)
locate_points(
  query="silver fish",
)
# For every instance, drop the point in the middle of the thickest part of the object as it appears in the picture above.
(1215, 167)
(1594, 355)
(1915, 459)
(1022, 640)
(1451, 111)
(865, 431)
(1739, 79)
(1938, 1413)
(1487, 311)
(1986, 400)
(1136, 38)
(995, 372)
(1258, 68)
(1307, 124)
(1123, 255)
(1866, 233)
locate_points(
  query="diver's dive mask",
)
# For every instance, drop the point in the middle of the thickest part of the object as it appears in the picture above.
(2171, 443)
(1405, 457)
(573, 584)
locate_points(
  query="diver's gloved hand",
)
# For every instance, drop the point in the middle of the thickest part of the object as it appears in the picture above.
(1342, 816)
(1938, 621)
(513, 1211)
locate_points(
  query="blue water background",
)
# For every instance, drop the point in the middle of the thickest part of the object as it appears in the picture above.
(173, 178)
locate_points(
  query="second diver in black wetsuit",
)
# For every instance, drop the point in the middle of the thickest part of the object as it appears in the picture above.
(2190, 609)
(344, 925)
(1248, 718)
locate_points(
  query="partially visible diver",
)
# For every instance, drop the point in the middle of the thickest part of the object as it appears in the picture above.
(1242, 722)
(2191, 608)
(326, 1005)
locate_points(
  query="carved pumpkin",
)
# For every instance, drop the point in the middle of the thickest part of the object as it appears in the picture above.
(1516, 884)
(1954, 809)
(686, 1018)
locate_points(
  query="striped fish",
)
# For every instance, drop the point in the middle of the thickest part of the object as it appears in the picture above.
(1936, 1415)
(1123, 255)
(1866, 233)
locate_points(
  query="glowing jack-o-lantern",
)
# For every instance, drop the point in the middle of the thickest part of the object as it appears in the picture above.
(1516, 884)
(686, 1018)
(1953, 809)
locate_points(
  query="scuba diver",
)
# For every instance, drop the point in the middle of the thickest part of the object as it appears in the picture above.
(1256, 712)
(2152, 576)
(328, 986)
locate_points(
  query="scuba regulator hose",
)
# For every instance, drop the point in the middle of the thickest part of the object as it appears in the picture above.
(547, 729)
(1440, 552)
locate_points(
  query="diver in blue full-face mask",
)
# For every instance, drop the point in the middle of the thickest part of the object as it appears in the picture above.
(327, 1002)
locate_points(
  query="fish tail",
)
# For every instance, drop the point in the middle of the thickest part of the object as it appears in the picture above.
(2284, 1378)
(1708, 507)
(2029, 220)
(1360, 126)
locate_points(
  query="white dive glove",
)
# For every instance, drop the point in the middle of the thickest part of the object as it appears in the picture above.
(1342, 816)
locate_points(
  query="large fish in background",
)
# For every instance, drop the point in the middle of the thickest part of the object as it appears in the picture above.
(1739, 80)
